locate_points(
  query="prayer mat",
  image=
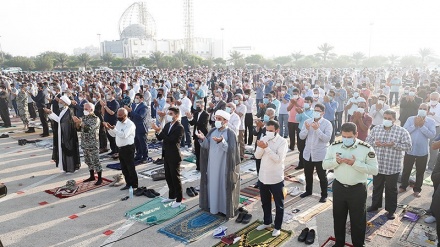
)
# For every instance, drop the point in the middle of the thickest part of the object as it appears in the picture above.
(189, 176)
(192, 158)
(427, 181)
(418, 235)
(154, 212)
(155, 145)
(308, 207)
(82, 187)
(117, 166)
(248, 167)
(246, 200)
(378, 224)
(193, 226)
(12, 126)
(250, 192)
(250, 236)
(331, 241)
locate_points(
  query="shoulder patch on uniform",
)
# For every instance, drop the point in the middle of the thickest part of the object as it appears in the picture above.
(371, 154)
(337, 142)
(364, 144)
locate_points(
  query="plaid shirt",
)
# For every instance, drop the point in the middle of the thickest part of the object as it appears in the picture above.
(390, 158)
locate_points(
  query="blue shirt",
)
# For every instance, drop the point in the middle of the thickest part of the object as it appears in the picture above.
(260, 92)
(268, 88)
(301, 118)
(153, 92)
(420, 136)
(277, 104)
(330, 110)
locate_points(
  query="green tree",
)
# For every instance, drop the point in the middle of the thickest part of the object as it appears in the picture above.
(61, 60)
(209, 62)
(43, 63)
(307, 62)
(95, 63)
(145, 61)
(235, 57)
(408, 61)
(254, 59)
(268, 63)
(164, 63)
(131, 61)
(107, 58)
(297, 56)
(358, 57)
(84, 60)
(117, 62)
(24, 63)
(182, 55)
(325, 51)
(219, 61)
(376, 61)
(393, 59)
(282, 60)
(194, 61)
(342, 62)
(177, 63)
(424, 53)
(156, 57)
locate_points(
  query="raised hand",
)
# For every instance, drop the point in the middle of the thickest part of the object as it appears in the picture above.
(262, 144)
(200, 135)
(218, 139)
(307, 125)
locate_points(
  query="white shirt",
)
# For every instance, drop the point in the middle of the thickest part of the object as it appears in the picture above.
(249, 103)
(185, 106)
(234, 122)
(205, 89)
(378, 115)
(241, 109)
(124, 133)
(272, 159)
(436, 110)
(353, 107)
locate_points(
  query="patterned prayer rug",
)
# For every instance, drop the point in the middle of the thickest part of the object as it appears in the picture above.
(191, 227)
(427, 181)
(154, 212)
(192, 158)
(250, 192)
(305, 208)
(82, 187)
(331, 241)
(150, 171)
(418, 235)
(250, 236)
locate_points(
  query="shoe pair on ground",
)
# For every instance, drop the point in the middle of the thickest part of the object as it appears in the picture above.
(118, 180)
(92, 177)
(307, 236)
(390, 215)
(143, 191)
(306, 194)
(244, 216)
(275, 232)
(158, 161)
(174, 204)
(192, 192)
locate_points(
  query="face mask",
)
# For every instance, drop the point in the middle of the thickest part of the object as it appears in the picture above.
(169, 118)
(316, 95)
(406, 91)
(270, 134)
(306, 105)
(356, 95)
(433, 102)
(196, 86)
(121, 119)
(159, 95)
(125, 95)
(380, 102)
(361, 110)
(199, 109)
(265, 101)
(236, 102)
(364, 88)
(108, 97)
(90, 90)
(295, 97)
(228, 109)
(306, 87)
(422, 113)
(316, 115)
(348, 142)
(80, 98)
(218, 124)
(330, 98)
(226, 90)
(86, 113)
(217, 98)
(136, 101)
(266, 118)
(412, 93)
(387, 123)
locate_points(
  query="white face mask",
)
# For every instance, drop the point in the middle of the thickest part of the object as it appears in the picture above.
(108, 97)
(387, 123)
(169, 118)
(356, 94)
(361, 110)
(217, 98)
(86, 113)
(270, 134)
(306, 87)
(295, 96)
(136, 101)
(422, 113)
(218, 124)
(316, 95)
(380, 102)
(433, 102)
(412, 93)
(94, 99)
(80, 98)
(316, 115)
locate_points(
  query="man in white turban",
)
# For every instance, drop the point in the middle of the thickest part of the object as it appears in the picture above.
(220, 173)
(66, 153)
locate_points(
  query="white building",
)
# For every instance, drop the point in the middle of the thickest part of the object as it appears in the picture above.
(91, 50)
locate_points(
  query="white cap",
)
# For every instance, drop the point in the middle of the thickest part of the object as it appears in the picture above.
(66, 99)
(223, 114)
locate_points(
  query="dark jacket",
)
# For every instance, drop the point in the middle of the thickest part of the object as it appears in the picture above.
(171, 142)
(200, 124)
(139, 115)
(39, 99)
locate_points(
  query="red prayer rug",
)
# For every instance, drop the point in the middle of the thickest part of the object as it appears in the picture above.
(81, 187)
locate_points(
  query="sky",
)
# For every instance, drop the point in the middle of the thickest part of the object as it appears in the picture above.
(271, 28)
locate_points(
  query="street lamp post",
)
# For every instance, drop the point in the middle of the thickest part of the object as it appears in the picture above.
(223, 41)
(99, 39)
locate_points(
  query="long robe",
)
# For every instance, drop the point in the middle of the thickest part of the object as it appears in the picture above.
(66, 151)
(220, 173)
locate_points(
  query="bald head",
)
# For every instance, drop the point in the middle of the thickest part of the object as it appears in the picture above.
(122, 114)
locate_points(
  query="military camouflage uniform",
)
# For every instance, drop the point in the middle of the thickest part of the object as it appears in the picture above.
(90, 141)
(22, 107)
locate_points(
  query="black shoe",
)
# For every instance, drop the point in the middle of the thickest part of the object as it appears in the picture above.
(299, 167)
(149, 194)
(30, 130)
(154, 192)
(137, 158)
(302, 237)
(190, 192)
(371, 209)
(92, 176)
(139, 191)
(126, 187)
(310, 237)
(256, 185)
(240, 217)
(323, 199)
(391, 216)
(305, 194)
(44, 135)
(194, 191)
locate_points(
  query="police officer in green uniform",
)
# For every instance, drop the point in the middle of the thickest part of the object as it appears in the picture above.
(89, 125)
(352, 161)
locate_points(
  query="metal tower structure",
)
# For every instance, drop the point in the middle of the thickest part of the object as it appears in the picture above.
(188, 25)
(137, 22)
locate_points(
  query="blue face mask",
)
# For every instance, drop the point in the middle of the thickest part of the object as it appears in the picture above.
(265, 101)
(348, 142)
(266, 118)
(316, 115)
(228, 109)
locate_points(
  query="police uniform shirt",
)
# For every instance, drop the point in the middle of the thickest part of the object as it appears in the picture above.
(364, 165)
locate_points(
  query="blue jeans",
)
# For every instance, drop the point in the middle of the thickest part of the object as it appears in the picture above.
(140, 142)
(396, 98)
(266, 193)
(338, 119)
(186, 139)
(153, 111)
(258, 101)
(283, 119)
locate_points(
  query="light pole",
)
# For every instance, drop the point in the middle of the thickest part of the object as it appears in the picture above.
(371, 34)
(223, 41)
(99, 39)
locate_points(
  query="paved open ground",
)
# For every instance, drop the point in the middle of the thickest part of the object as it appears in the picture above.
(28, 171)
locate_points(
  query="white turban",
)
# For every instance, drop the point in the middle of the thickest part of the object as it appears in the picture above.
(361, 100)
(223, 114)
(66, 99)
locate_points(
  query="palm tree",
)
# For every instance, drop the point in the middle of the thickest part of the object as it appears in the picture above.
(325, 50)
(156, 57)
(61, 59)
(107, 58)
(358, 56)
(84, 59)
(393, 58)
(424, 53)
(297, 55)
(182, 55)
(235, 56)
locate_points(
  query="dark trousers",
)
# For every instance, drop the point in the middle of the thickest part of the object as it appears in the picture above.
(14, 105)
(301, 145)
(248, 128)
(112, 141)
(266, 193)
(257, 102)
(349, 200)
(102, 137)
(126, 157)
(31, 109)
(206, 102)
(197, 150)
(140, 141)
(389, 182)
(293, 132)
(4, 114)
(153, 111)
(396, 98)
(258, 165)
(338, 120)
(408, 163)
(332, 139)
(43, 119)
(186, 139)
(309, 167)
(172, 176)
